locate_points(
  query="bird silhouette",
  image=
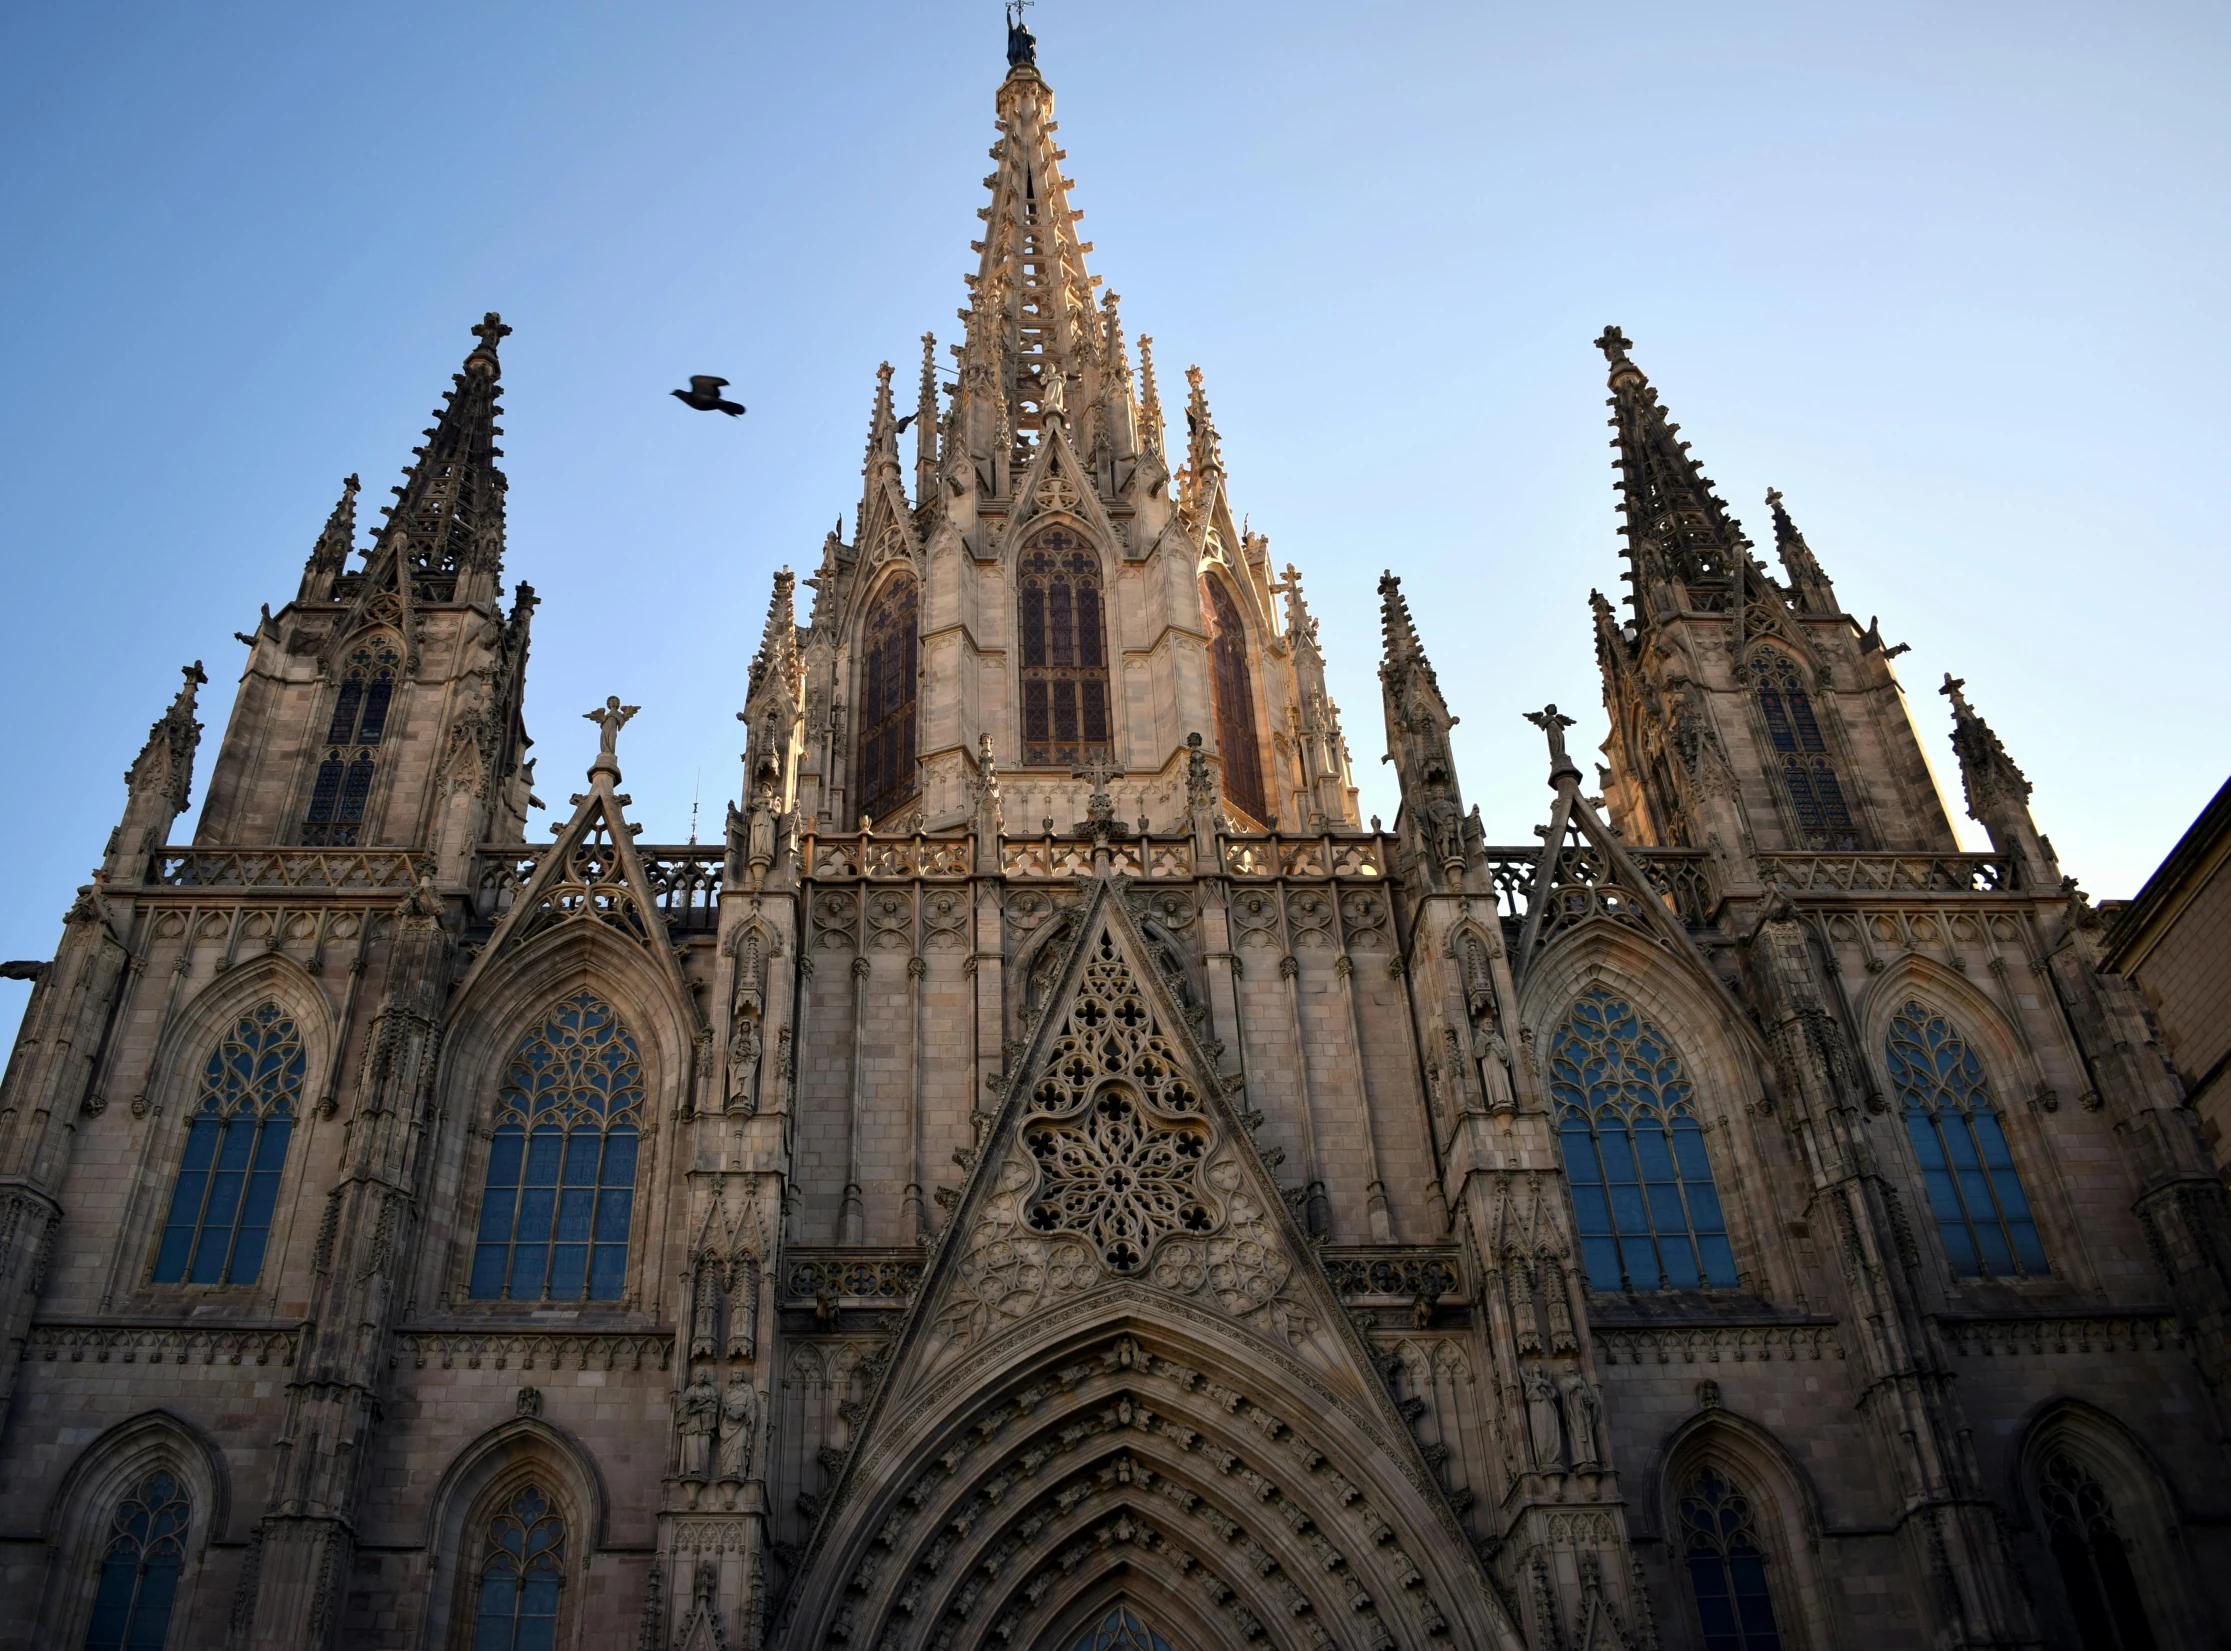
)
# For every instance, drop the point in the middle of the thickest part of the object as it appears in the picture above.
(900, 427)
(704, 395)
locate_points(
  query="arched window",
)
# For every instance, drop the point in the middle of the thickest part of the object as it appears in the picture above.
(888, 677)
(2094, 1560)
(1119, 1630)
(344, 782)
(1727, 1572)
(522, 1569)
(139, 1570)
(236, 1145)
(1801, 755)
(1973, 1189)
(561, 1169)
(1643, 1201)
(1065, 654)
(1232, 686)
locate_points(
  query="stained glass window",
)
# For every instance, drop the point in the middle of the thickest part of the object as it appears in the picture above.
(1973, 1189)
(2093, 1558)
(888, 677)
(343, 787)
(561, 1168)
(139, 1568)
(1727, 1572)
(1644, 1206)
(236, 1145)
(1065, 658)
(1119, 1630)
(1801, 755)
(522, 1568)
(1233, 688)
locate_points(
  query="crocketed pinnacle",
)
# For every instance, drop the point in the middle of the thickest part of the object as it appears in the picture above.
(329, 557)
(1402, 653)
(1986, 771)
(1204, 452)
(164, 768)
(448, 518)
(778, 643)
(1807, 582)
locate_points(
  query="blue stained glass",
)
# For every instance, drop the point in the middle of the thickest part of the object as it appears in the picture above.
(1816, 796)
(1119, 1630)
(559, 1191)
(236, 1149)
(522, 1576)
(1967, 1169)
(1634, 1154)
(1727, 1572)
(139, 1569)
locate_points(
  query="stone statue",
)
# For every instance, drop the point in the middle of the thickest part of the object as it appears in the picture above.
(1583, 1413)
(743, 1061)
(1554, 725)
(739, 1411)
(1022, 45)
(1542, 1421)
(609, 721)
(700, 1416)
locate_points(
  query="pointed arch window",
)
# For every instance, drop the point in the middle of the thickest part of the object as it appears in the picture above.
(1119, 1630)
(560, 1191)
(139, 1568)
(1644, 1206)
(1064, 652)
(1801, 755)
(1232, 686)
(1974, 1192)
(1727, 1570)
(2093, 1558)
(343, 787)
(889, 681)
(236, 1147)
(521, 1575)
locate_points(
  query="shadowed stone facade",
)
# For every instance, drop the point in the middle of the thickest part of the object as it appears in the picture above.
(1052, 1165)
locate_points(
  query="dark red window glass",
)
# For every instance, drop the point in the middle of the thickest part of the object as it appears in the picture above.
(1064, 652)
(1232, 683)
(1816, 796)
(343, 788)
(889, 652)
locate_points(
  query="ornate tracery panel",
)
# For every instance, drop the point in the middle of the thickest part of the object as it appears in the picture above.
(236, 1147)
(1644, 1206)
(2093, 1558)
(1064, 652)
(1232, 680)
(889, 678)
(1801, 755)
(1974, 1191)
(139, 1568)
(343, 787)
(1119, 1630)
(521, 1575)
(560, 1189)
(1727, 1570)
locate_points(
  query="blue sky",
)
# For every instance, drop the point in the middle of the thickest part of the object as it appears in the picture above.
(1950, 277)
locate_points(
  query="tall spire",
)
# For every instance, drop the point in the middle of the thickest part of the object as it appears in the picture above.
(1436, 836)
(329, 557)
(1204, 452)
(1807, 583)
(159, 784)
(1150, 399)
(777, 658)
(1683, 549)
(925, 425)
(448, 518)
(1998, 792)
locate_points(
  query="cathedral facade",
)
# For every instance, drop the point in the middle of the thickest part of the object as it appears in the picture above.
(1053, 1176)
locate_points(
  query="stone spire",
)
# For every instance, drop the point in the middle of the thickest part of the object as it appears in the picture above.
(777, 658)
(448, 519)
(158, 785)
(1204, 451)
(1150, 399)
(329, 557)
(1435, 833)
(1998, 793)
(1683, 549)
(1319, 742)
(925, 426)
(1809, 586)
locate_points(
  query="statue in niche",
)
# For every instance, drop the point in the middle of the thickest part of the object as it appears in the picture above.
(700, 1417)
(1583, 1416)
(744, 1045)
(739, 1413)
(1544, 1427)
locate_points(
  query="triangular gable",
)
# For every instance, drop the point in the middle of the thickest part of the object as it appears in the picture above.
(1057, 482)
(383, 597)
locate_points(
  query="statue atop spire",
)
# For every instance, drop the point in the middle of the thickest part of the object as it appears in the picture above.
(1022, 45)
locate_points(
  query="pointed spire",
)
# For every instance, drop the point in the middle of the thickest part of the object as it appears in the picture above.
(448, 518)
(329, 557)
(159, 784)
(1807, 583)
(1436, 837)
(1204, 453)
(1998, 793)
(1150, 399)
(778, 643)
(1683, 549)
(883, 416)
(1399, 633)
(925, 425)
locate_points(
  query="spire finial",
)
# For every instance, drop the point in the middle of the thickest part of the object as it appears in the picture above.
(1614, 344)
(609, 718)
(490, 331)
(1150, 398)
(1022, 45)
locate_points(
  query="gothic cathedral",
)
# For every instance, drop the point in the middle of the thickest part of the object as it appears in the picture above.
(1054, 1178)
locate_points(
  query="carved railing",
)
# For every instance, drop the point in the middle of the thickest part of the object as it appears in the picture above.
(685, 881)
(830, 859)
(1511, 872)
(1073, 856)
(347, 871)
(1683, 878)
(1374, 1273)
(850, 1277)
(1275, 856)
(1836, 873)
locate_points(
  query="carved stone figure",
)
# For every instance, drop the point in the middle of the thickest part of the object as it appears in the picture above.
(739, 1427)
(1583, 1411)
(700, 1417)
(610, 718)
(704, 1330)
(1543, 1428)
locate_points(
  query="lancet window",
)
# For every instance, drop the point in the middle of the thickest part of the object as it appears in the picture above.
(560, 1190)
(1644, 1206)
(236, 1147)
(522, 1571)
(1119, 1630)
(1232, 685)
(1973, 1189)
(2093, 1558)
(1727, 1570)
(889, 677)
(343, 787)
(1801, 755)
(1064, 652)
(139, 1568)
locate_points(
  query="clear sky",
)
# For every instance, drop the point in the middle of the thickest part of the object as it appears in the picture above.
(1952, 277)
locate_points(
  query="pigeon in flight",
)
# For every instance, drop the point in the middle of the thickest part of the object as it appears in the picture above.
(704, 395)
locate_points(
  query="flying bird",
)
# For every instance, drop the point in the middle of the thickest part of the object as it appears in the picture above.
(704, 395)
(900, 427)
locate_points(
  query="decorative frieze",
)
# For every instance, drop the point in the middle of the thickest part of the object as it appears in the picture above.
(1375, 1276)
(1717, 1343)
(850, 1277)
(532, 1350)
(371, 871)
(2105, 1333)
(166, 1344)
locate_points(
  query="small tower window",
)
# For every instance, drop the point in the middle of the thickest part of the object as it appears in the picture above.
(1800, 755)
(2093, 1559)
(1233, 689)
(1727, 1572)
(1974, 1191)
(1644, 1207)
(343, 787)
(236, 1147)
(889, 641)
(560, 1191)
(139, 1569)
(522, 1571)
(1065, 659)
